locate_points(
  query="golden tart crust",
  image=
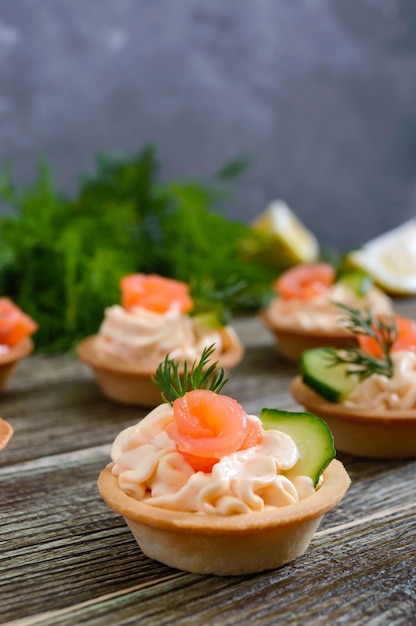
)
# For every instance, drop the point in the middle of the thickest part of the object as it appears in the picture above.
(6, 431)
(376, 434)
(291, 342)
(10, 359)
(233, 545)
(127, 384)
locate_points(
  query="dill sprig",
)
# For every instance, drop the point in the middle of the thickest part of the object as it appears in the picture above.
(175, 383)
(360, 362)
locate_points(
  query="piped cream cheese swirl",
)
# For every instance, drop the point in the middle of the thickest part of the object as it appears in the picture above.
(149, 468)
(380, 393)
(142, 337)
(321, 312)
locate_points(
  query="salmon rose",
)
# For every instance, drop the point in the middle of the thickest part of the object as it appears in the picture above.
(209, 426)
(155, 293)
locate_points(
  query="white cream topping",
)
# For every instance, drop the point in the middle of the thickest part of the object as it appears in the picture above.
(150, 468)
(381, 393)
(143, 337)
(321, 312)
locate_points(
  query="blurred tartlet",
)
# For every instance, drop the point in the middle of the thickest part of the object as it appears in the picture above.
(304, 313)
(153, 320)
(205, 488)
(6, 431)
(16, 327)
(367, 394)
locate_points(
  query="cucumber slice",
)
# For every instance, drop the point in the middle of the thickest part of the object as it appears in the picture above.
(312, 436)
(356, 280)
(329, 381)
(209, 319)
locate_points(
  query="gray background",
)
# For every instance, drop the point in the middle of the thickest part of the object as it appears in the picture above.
(320, 93)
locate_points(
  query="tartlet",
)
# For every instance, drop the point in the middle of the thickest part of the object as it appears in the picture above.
(375, 434)
(242, 544)
(207, 489)
(10, 359)
(303, 314)
(6, 431)
(150, 304)
(16, 327)
(292, 342)
(367, 394)
(130, 384)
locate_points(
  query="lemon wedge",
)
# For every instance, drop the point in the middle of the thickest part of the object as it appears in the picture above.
(283, 240)
(390, 259)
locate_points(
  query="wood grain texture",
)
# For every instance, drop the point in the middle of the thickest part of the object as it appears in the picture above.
(66, 559)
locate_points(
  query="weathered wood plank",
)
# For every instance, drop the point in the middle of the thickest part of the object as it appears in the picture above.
(60, 543)
(320, 588)
(65, 558)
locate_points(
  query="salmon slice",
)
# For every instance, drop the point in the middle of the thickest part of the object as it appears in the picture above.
(304, 282)
(155, 293)
(15, 325)
(209, 426)
(406, 338)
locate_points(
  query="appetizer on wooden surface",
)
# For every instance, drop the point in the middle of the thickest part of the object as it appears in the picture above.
(304, 313)
(154, 319)
(365, 392)
(207, 488)
(16, 328)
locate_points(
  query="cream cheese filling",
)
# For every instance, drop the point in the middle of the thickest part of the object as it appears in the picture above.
(149, 468)
(380, 393)
(321, 312)
(143, 337)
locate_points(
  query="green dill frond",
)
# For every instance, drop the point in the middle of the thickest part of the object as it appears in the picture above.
(175, 383)
(361, 363)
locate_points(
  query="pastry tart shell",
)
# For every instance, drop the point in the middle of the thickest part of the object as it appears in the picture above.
(234, 545)
(127, 384)
(6, 431)
(10, 359)
(291, 342)
(374, 434)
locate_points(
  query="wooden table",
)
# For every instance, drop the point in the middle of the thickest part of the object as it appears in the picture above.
(67, 559)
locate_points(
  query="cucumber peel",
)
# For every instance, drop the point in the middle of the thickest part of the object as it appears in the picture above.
(311, 435)
(332, 382)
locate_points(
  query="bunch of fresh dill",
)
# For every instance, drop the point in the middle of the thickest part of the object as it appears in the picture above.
(61, 257)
